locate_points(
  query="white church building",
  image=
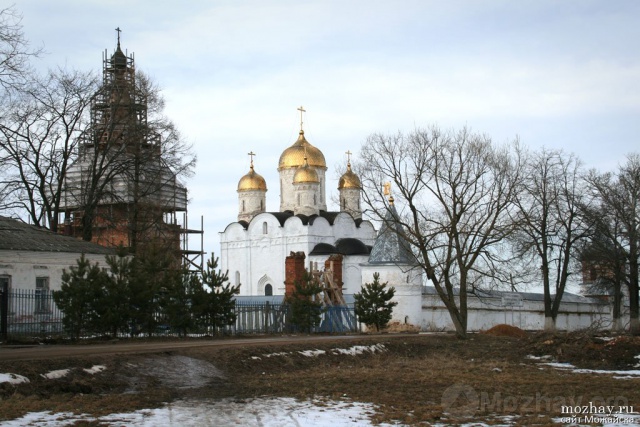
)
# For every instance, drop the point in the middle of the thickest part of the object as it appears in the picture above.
(254, 248)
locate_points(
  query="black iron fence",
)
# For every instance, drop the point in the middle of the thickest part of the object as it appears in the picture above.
(33, 314)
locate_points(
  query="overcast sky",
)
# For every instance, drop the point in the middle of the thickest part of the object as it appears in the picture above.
(560, 74)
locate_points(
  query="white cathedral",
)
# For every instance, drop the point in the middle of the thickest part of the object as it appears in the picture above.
(255, 247)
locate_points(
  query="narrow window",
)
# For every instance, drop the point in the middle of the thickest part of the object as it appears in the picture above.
(265, 228)
(268, 290)
(42, 295)
(237, 278)
(243, 208)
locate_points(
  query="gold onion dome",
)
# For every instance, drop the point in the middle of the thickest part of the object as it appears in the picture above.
(293, 157)
(252, 181)
(305, 174)
(349, 179)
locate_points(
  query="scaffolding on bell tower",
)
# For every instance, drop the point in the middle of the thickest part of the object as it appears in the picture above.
(120, 190)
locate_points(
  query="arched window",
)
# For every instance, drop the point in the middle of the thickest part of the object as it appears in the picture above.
(243, 208)
(265, 228)
(268, 290)
(237, 278)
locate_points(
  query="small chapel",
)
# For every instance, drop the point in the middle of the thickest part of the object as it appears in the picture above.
(257, 249)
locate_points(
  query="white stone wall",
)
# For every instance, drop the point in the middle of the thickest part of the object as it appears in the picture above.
(23, 267)
(488, 312)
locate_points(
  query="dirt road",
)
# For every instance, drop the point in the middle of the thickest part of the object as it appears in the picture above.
(38, 352)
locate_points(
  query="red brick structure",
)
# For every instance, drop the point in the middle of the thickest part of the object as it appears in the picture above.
(334, 262)
(294, 270)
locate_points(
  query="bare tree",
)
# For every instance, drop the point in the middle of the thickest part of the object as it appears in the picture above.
(550, 222)
(15, 51)
(619, 198)
(457, 190)
(38, 135)
(603, 263)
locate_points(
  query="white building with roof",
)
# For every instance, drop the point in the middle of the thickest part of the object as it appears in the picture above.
(34, 258)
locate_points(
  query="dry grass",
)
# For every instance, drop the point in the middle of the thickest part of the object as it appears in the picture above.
(410, 382)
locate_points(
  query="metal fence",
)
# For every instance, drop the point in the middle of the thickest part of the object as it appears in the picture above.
(34, 314)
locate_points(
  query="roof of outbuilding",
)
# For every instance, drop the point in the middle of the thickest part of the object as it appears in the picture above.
(16, 235)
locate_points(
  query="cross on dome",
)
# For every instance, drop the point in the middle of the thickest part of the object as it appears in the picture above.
(302, 110)
(251, 154)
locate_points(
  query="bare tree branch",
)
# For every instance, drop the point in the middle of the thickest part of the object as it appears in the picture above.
(456, 190)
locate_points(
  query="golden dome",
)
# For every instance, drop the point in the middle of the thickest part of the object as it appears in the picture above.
(293, 157)
(349, 179)
(305, 174)
(252, 181)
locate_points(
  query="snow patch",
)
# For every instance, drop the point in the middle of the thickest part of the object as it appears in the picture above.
(532, 357)
(360, 349)
(191, 413)
(13, 379)
(351, 351)
(95, 369)
(54, 375)
(276, 354)
(312, 353)
(617, 374)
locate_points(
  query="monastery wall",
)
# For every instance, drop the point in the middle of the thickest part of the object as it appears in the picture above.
(485, 313)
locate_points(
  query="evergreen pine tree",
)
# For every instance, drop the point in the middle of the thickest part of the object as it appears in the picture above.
(373, 304)
(79, 297)
(149, 282)
(213, 301)
(113, 309)
(306, 309)
(181, 301)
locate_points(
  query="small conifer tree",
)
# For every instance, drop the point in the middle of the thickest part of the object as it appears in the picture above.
(79, 297)
(113, 309)
(373, 304)
(306, 310)
(214, 304)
